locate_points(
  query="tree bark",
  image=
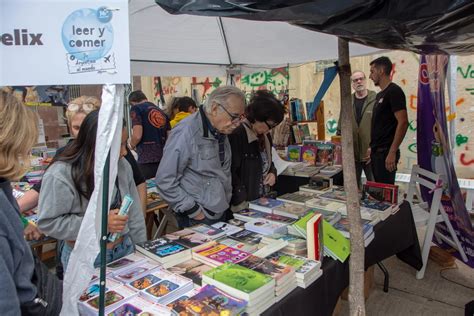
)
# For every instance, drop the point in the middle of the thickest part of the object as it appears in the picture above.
(356, 260)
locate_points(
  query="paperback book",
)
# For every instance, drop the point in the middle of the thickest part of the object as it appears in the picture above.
(239, 281)
(139, 306)
(229, 229)
(248, 237)
(209, 231)
(191, 269)
(250, 215)
(294, 153)
(266, 227)
(165, 251)
(212, 301)
(265, 204)
(189, 238)
(237, 244)
(218, 254)
(308, 154)
(299, 197)
(292, 211)
(381, 191)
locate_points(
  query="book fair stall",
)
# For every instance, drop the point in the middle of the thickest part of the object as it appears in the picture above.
(287, 253)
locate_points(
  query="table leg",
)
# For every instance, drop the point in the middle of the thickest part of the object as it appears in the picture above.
(386, 276)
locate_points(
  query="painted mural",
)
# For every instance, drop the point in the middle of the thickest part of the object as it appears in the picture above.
(304, 80)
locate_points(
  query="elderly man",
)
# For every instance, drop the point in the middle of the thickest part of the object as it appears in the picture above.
(363, 101)
(194, 175)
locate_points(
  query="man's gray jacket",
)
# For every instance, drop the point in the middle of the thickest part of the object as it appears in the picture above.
(190, 176)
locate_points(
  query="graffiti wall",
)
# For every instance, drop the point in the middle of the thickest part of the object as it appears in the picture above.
(304, 80)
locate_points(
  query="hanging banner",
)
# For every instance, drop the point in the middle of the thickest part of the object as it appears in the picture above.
(434, 152)
(77, 42)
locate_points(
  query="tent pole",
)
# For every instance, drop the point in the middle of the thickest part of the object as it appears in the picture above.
(221, 26)
(103, 235)
(356, 260)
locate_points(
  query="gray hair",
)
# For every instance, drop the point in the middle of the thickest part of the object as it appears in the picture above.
(220, 96)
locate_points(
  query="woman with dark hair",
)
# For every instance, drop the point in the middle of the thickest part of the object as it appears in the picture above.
(253, 172)
(68, 184)
(182, 107)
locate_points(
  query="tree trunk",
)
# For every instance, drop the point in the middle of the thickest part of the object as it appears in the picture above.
(356, 263)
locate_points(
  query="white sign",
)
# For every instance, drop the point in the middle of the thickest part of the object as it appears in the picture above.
(64, 42)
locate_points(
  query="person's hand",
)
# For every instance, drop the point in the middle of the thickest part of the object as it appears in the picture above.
(116, 223)
(32, 232)
(367, 156)
(269, 179)
(200, 216)
(390, 161)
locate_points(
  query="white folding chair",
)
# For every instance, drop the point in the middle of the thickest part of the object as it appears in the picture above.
(429, 216)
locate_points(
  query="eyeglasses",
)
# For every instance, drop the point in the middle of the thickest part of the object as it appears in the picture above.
(234, 117)
(270, 126)
(88, 107)
(358, 79)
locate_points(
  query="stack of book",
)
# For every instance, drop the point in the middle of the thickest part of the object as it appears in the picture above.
(140, 306)
(229, 229)
(368, 229)
(307, 271)
(161, 286)
(266, 249)
(291, 210)
(330, 171)
(380, 209)
(189, 238)
(130, 273)
(251, 215)
(265, 227)
(216, 254)
(381, 191)
(165, 251)
(248, 237)
(123, 264)
(284, 275)
(328, 205)
(265, 204)
(296, 245)
(337, 194)
(307, 171)
(209, 301)
(237, 244)
(178, 306)
(299, 197)
(191, 269)
(114, 297)
(254, 287)
(209, 231)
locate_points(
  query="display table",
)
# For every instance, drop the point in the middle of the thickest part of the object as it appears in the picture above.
(394, 236)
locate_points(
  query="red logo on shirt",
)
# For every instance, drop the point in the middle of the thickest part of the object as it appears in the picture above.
(156, 118)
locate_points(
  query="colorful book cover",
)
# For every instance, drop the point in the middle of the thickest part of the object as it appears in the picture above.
(145, 282)
(209, 231)
(139, 306)
(212, 301)
(336, 242)
(237, 244)
(291, 260)
(132, 273)
(267, 203)
(238, 277)
(191, 269)
(271, 268)
(248, 237)
(381, 191)
(189, 238)
(161, 247)
(324, 154)
(178, 306)
(294, 153)
(162, 288)
(308, 154)
(342, 225)
(222, 254)
(229, 229)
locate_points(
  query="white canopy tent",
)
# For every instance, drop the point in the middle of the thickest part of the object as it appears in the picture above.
(185, 45)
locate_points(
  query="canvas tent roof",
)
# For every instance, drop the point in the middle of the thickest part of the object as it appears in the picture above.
(186, 45)
(424, 26)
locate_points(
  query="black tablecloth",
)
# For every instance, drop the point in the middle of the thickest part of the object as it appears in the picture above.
(290, 184)
(394, 236)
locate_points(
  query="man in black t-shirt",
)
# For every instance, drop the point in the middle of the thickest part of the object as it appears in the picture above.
(389, 122)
